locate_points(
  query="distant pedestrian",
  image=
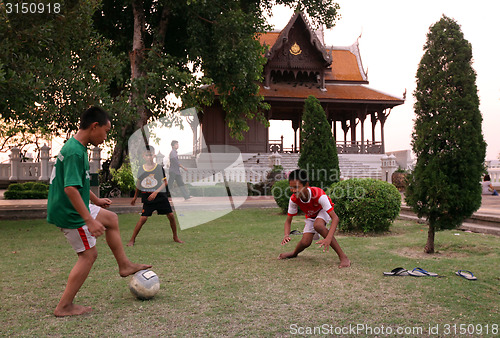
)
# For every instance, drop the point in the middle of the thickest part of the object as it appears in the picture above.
(174, 171)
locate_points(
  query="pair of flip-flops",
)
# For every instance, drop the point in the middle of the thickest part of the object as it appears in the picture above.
(417, 272)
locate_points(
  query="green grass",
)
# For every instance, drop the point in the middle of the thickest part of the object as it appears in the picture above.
(226, 281)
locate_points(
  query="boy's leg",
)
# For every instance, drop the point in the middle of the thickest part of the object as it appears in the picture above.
(76, 278)
(137, 228)
(113, 238)
(305, 241)
(173, 226)
(320, 227)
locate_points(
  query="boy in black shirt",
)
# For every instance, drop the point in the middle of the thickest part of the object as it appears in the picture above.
(152, 183)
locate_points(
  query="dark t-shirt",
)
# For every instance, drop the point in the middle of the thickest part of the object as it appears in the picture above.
(150, 180)
(174, 163)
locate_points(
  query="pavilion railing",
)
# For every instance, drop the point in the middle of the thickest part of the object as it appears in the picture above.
(356, 147)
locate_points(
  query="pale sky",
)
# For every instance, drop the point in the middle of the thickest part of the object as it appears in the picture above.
(391, 46)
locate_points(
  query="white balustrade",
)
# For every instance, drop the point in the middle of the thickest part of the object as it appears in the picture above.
(495, 176)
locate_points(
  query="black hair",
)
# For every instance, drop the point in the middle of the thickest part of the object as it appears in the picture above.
(487, 178)
(300, 175)
(93, 114)
(174, 142)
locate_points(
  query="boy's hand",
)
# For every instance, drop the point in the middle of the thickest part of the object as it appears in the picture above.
(152, 196)
(325, 243)
(104, 202)
(95, 227)
(133, 201)
(285, 240)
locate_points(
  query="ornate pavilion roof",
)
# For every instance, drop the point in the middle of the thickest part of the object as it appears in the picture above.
(344, 78)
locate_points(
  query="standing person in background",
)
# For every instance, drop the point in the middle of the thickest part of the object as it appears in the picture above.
(174, 171)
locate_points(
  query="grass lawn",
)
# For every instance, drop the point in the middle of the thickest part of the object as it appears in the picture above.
(226, 281)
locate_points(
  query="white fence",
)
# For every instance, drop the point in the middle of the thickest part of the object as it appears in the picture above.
(209, 177)
(495, 176)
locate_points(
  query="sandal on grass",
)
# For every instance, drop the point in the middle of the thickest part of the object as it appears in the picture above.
(419, 272)
(466, 274)
(397, 272)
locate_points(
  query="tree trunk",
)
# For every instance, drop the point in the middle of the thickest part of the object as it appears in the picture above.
(136, 57)
(429, 247)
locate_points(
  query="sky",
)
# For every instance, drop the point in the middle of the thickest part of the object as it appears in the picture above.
(393, 33)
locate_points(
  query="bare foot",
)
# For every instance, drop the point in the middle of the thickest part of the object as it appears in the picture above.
(132, 268)
(130, 243)
(287, 255)
(71, 310)
(177, 240)
(344, 263)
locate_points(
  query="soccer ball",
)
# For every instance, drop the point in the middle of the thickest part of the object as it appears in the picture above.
(144, 284)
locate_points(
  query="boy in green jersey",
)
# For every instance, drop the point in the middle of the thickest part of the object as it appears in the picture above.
(68, 208)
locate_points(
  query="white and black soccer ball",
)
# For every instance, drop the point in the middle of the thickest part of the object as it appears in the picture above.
(144, 284)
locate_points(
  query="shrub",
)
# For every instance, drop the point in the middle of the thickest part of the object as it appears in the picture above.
(281, 193)
(318, 153)
(265, 188)
(28, 190)
(124, 178)
(28, 185)
(15, 187)
(365, 205)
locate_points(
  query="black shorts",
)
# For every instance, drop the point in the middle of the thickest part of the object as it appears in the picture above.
(162, 208)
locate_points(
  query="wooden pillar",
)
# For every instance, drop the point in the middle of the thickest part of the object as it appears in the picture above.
(353, 130)
(374, 122)
(345, 128)
(295, 126)
(382, 119)
(362, 117)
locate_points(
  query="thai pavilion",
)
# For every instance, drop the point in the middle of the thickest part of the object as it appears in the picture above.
(299, 65)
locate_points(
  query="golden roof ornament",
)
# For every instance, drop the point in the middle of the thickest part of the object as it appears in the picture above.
(295, 49)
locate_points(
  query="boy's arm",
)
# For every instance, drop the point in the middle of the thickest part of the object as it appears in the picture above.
(155, 193)
(136, 193)
(325, 243)
(288, 226)
(95, 227)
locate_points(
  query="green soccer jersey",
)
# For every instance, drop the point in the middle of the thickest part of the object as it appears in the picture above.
(71, 170)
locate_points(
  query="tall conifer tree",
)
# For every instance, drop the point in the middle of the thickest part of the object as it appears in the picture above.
(447, 139)
(318, 152)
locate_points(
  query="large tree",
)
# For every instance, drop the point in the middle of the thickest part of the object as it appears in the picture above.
(447, 139)
(318, 152)
(52, 66)
(174, 46)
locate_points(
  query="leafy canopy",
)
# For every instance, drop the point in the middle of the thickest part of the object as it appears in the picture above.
(52, 67)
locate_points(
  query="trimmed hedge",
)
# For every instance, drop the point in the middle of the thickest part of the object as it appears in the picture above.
(281, 193)
(365, 204)
(28, 190)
